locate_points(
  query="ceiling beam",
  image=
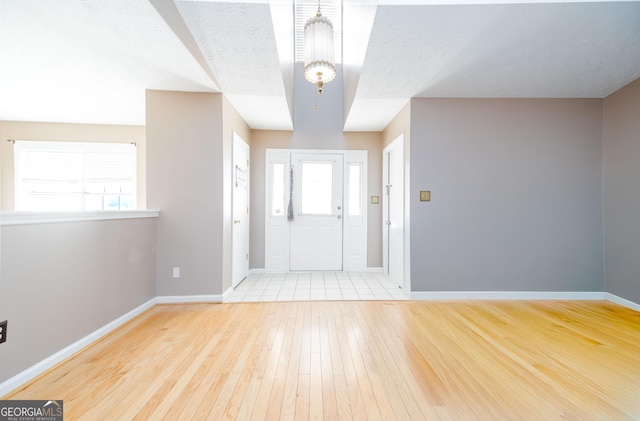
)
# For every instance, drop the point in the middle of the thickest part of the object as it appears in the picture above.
(170, 14)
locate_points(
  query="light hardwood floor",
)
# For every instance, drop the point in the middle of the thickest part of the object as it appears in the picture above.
(372, 360)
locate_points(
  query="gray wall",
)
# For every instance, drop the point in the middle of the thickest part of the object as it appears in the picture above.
(621, 192)
(516, 195)
(60, 282)
(185, 182)
(401, 124)
(321, 128)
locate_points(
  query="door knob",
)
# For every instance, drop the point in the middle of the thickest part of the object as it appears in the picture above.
(339, 216)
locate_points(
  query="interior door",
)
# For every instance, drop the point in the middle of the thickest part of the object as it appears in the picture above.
(316, 227)
(240, 198)
(395, 214)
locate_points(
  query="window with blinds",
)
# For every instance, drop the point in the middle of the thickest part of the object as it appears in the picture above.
(74, 176)
(306, 9)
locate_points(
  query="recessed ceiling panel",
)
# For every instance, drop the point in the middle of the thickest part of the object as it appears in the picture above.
(239, 44)
(552, 50)
(574, 50)
(89, 61)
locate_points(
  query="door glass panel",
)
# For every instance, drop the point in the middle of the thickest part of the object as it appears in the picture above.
(354, 190)
(277, 190)
(316, 192)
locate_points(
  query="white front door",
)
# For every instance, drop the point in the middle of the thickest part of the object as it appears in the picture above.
(393, 203)
(240, 198)
(317, 211)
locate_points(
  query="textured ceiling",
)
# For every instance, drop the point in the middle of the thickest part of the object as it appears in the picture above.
(577, 50)
(90, 61)
(239, 44)
(581, 50)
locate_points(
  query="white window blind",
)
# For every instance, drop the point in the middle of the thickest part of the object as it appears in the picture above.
(72, 176)
(306, 9)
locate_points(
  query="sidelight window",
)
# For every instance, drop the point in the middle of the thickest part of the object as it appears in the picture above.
(354, 187)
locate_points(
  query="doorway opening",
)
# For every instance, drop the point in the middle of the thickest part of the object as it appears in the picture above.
(394, 250)
(240, 203)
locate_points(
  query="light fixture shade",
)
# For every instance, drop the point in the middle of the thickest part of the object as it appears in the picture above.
(319, 56)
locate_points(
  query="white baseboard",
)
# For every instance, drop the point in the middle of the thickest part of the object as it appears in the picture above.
(506, 295)
(44, 365)
(226, 294)
(622, 301)
(183, 299)
(260, 271)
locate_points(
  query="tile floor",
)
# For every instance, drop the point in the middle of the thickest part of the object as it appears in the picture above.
(316, 286)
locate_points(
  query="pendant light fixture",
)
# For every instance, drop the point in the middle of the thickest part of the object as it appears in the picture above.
(319, 55)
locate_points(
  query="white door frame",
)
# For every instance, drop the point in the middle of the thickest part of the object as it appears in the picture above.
(240, 222)
(398, 145)
(277, 233)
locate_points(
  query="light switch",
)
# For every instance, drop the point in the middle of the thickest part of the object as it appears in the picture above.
(425, 196)
(176, 272)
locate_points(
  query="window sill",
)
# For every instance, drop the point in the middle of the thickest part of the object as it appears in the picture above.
(23, 218)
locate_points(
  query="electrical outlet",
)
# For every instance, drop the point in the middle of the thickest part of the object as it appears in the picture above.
(3, 331)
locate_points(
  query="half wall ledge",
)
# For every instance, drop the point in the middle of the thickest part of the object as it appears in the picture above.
(24, 218)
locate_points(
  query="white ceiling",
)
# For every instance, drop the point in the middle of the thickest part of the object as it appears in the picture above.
(90, 61)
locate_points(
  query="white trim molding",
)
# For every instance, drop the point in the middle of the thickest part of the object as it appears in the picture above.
(44, 365)
(621, 301)
(256, 271)
(506, 295)
(227, 294)
(184, 299)
(24, 218)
